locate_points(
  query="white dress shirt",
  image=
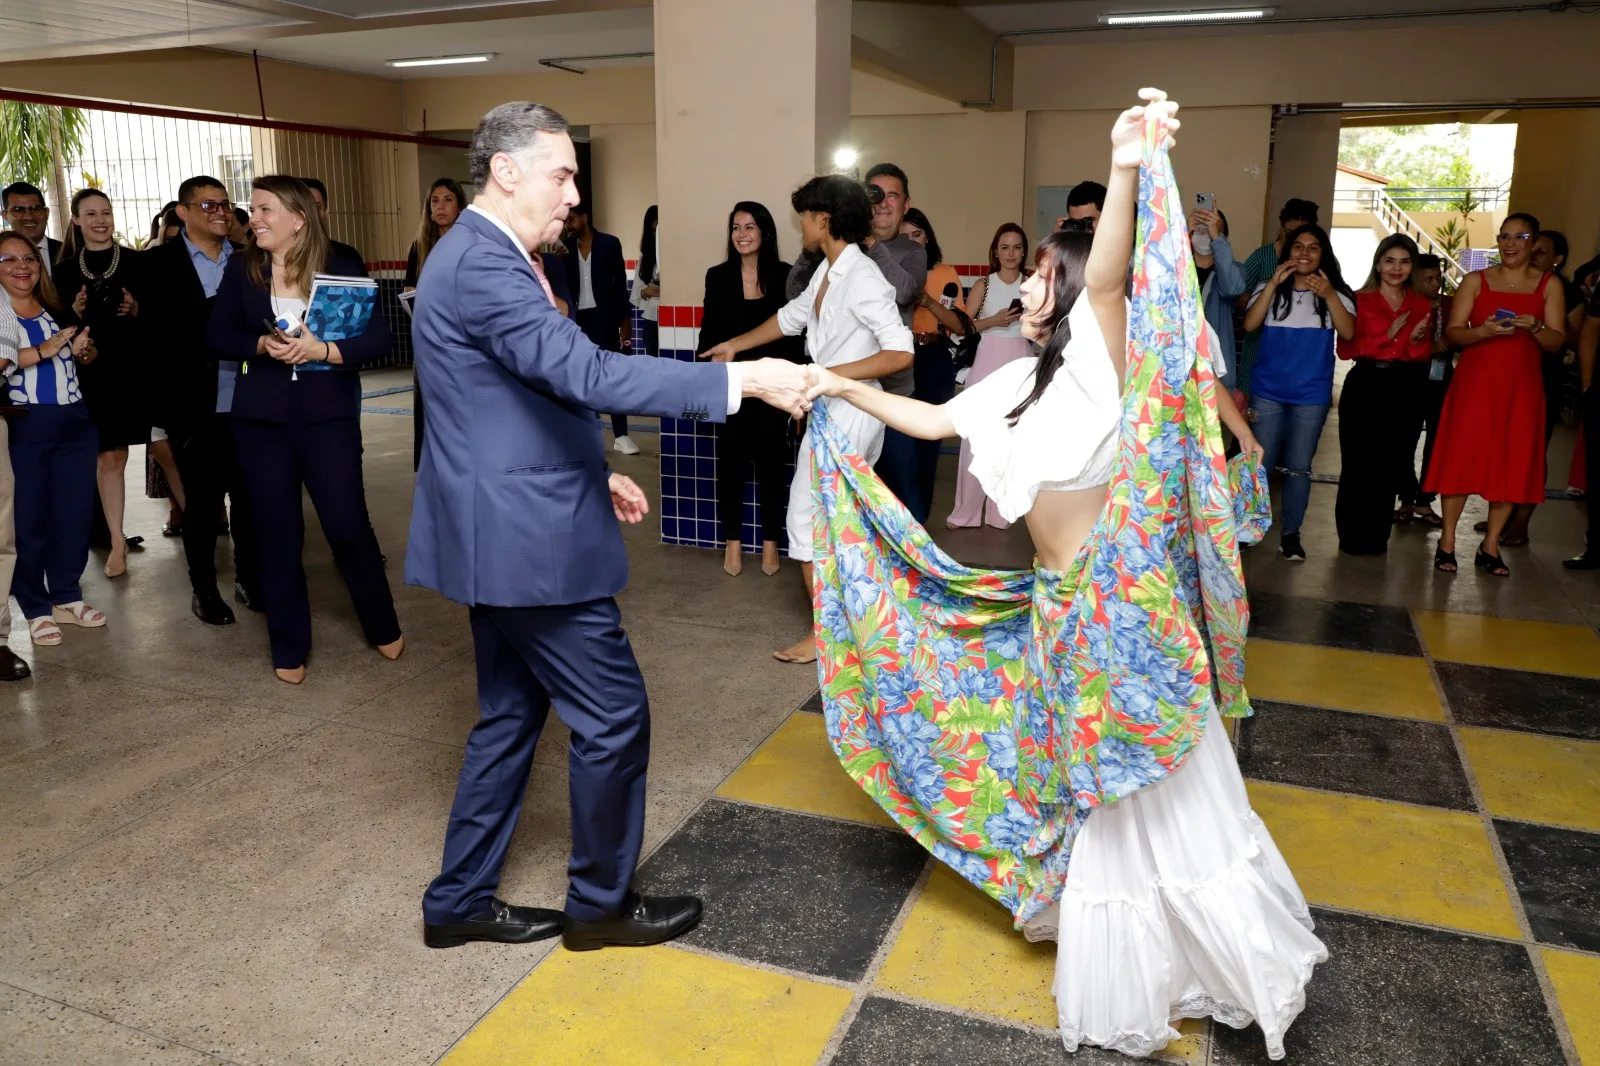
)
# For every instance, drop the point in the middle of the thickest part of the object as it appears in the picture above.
(735, 375)
(585, 284)
(857, 320)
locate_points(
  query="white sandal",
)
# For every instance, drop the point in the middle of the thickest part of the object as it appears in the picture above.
(44, 632)
(79, 614)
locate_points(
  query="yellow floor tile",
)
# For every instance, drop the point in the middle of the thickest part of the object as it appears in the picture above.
(1510, 643)
(1190, 1047)
(797, 769)
(1398, 685)
(1577, 983)
(1536, 779)
(655, 1005)
(1414, 863)
(958, 948)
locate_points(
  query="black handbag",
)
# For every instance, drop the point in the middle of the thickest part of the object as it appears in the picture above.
(964, 349)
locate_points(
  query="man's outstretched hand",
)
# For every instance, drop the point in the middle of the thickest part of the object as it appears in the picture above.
(779, 383)
(628, 500)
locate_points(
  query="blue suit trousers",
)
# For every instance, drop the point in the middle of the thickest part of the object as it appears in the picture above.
(578, 658)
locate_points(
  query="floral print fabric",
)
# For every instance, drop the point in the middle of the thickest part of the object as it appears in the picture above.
(989, 712)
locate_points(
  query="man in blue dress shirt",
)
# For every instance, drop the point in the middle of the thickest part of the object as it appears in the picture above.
(516, 515)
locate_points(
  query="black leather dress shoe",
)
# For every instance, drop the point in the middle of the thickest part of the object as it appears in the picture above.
(12, 666)
(504, 924)
(644, 920)
(210, 609)
(247, 599)
(1586, 561)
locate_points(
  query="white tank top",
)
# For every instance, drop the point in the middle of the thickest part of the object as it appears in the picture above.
(997, 297)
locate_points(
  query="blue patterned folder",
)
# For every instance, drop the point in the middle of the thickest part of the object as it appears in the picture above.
(340, 308)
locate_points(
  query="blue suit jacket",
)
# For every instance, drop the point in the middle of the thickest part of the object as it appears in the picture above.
(512, 507)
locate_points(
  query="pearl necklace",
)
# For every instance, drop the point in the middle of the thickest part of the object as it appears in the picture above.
(83, 264)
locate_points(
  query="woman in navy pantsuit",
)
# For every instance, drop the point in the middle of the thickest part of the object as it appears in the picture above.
(297, 420)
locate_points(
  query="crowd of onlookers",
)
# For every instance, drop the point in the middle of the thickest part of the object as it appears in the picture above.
(238, 419)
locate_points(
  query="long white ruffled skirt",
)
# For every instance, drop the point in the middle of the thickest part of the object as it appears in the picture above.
(1178, 905)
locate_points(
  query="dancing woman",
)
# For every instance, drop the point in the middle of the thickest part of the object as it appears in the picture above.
(1054, 735)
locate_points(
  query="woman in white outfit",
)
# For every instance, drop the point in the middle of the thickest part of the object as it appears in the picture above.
(1176, 903)
(852, 326)
(995, 304)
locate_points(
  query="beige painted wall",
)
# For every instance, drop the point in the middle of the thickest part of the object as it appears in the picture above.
(965, 171)
(624, 162)
(1220, 150)
(1557, 172)
(1305, 158)
(600, 97)
(220, 82)
(1417, 63)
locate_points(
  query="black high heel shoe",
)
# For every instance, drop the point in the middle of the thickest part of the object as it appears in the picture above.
(1444, 562)
(1494, 564)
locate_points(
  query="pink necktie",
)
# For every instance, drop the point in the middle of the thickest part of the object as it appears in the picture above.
(544, 282)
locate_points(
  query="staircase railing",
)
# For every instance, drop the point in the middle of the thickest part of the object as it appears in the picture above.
(1395, 219)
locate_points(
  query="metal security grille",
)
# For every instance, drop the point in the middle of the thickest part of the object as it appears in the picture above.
(138, 156)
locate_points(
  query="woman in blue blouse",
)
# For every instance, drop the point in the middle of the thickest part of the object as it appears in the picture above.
(297, 419)
(54, 449)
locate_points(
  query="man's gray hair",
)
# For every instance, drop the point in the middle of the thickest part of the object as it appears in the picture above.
(512, 128)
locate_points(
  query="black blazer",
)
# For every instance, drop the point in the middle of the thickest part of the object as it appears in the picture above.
(608, 273)
(270, 391)
(173, 310)
(728, 314)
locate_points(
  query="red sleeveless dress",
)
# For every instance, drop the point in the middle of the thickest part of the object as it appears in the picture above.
(1491, 431)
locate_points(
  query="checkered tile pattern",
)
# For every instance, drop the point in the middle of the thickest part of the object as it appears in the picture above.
(1438, 801)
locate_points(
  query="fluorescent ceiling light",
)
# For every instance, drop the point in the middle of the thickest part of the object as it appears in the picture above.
(1157, 18)
(442, 61)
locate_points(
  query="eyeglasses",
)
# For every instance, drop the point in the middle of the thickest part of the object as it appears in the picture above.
(27, 209)
(210, 207)
(1515, 237)
(8, 261)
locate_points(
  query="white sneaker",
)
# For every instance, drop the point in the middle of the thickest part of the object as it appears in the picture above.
(625, 445)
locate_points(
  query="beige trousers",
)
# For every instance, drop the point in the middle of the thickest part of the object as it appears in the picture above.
(8, 530)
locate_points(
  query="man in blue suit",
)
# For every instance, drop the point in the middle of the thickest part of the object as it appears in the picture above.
(516, 515)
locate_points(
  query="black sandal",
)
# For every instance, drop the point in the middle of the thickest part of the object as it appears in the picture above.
(1444, 562)
(1430, 518)
(1493, 563)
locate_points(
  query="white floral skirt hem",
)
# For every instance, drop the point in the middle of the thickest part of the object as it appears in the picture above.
(1179, 905)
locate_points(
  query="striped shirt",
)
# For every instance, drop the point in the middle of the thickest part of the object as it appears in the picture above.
(52, 381)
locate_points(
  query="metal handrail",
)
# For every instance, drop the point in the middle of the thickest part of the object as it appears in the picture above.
(1395, 219)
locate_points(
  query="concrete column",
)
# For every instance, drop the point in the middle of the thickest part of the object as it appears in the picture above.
(729, 131)
(1305, 155)
(752, 99)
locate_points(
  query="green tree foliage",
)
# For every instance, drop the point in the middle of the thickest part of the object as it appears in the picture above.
(1428, 157)
(36, 140)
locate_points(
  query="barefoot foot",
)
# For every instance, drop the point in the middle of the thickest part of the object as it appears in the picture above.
(804, 651)
(117, 562)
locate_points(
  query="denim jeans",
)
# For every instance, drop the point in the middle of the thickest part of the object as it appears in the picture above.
(1288, 433)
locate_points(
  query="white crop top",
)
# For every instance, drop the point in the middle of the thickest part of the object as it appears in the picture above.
(1065, 440)
(997, 296)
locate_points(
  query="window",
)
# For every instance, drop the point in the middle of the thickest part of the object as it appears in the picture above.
(237, 171)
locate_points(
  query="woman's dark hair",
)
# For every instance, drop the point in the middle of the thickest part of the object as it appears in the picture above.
(920, 221)
(844, 201)
(74, 235)
(1224, 220)
(163, 219)
(768, 262)
(1524, 218)
(647, 247)
(1385, 246)
(428, 233)
(994, 246)
(1062, 256)
(43, 290)
(1558, 245)
(1283, 296)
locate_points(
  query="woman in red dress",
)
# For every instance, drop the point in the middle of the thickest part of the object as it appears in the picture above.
(1491, 433)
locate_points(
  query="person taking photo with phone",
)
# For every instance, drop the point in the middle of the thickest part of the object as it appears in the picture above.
(1491, 431)
(995, 306)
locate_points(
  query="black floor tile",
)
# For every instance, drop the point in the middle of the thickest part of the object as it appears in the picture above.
(1557, 872)
(1334, 624)
(888, 1031)
(1393, 995)
(787, 889)
(1518, 699)
(813, 703)
(1388, 758)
